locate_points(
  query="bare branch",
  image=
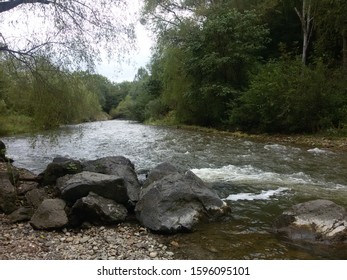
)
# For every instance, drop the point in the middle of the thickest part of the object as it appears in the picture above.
(11, 4)
(75, 30)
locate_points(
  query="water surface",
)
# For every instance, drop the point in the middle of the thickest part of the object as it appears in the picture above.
(259, 180)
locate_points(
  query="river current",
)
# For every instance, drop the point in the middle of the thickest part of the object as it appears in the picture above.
(259, 180)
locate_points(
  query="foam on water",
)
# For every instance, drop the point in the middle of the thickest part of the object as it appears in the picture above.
(248, 174)
(264, 195)
(320, 151)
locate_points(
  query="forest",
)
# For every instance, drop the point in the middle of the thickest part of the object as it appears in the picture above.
(258, 66)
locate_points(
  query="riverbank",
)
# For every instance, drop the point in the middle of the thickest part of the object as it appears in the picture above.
(325, 141)
(334, 143)
(126, 241)
(238, 166)
(11, 125)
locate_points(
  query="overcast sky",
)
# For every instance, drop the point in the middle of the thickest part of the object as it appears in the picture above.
(140, 57)
(16, 24)
(127, 70)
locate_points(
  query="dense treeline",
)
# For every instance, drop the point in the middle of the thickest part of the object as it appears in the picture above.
(45, 96)
(41, 42)
(259, 66)
(277, 66)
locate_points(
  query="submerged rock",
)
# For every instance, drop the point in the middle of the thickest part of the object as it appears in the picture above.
(176, 201)
(314, 221)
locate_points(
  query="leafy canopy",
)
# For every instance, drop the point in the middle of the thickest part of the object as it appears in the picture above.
(68, 31)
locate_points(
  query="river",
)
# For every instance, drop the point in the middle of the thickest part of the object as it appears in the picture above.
(259, 180)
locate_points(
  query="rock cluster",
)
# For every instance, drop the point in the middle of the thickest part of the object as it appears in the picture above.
(106, 191)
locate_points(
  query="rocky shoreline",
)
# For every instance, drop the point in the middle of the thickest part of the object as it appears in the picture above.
(100, 210)
(125, 241)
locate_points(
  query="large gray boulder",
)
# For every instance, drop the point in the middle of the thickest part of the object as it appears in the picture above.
(98, 210)
(159, 172)
(317, 221)
(177, 202)
(8, 194)
(73, 187)
(50, 215)
(59, 167)
(118, 166)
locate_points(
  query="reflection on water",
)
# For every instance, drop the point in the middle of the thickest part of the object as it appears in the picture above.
(259, 180)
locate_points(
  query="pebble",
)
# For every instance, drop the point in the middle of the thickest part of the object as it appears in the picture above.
(21, 242)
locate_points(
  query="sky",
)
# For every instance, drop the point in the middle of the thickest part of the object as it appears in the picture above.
(22, 24)
(127, 70)
(140, 57)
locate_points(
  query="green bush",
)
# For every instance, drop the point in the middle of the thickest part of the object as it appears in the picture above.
(124, 109)
(287, 97)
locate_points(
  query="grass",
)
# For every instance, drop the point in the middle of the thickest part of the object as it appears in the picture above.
(15, 124)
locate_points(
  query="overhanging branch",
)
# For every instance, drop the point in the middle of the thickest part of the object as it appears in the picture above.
(11, 4)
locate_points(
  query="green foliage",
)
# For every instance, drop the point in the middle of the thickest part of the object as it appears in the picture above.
(141, 101)
(59, 98)
(234, 63)
(109, 94)
(43, 98)
(205, 65)
(124, 109)
(285, 97)
(331, 27)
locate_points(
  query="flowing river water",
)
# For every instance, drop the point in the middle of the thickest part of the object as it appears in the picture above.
(259, 180)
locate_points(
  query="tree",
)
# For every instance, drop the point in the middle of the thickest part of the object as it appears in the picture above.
(286, 97)
(204, 63)
(306, 20)
(331, 26)
(71, 32)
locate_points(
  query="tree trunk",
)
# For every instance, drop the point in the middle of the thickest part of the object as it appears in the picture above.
(306, 26)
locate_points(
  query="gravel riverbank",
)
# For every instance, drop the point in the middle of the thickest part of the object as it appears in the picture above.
(121, 242)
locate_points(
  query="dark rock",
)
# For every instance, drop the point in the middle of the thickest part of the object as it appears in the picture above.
(8, 194)
(317, 221)
(35, 197)
(73, 187)
(2, 149)
(142, 175)
(177, 202)
(159, 172)
(3, 153)
(26, 186)
(50, 215)
(99, 210)
(58, 168)
(26, 175)
(118, 166)
(22, 214)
